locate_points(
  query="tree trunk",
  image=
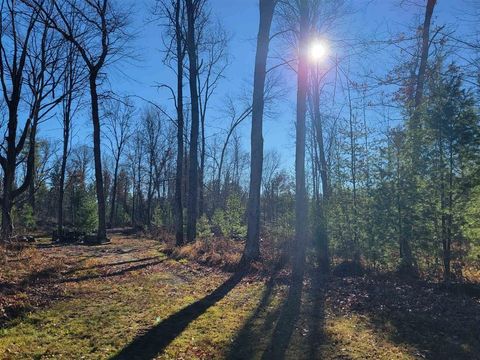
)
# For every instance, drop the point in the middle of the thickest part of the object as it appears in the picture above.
(193, 153)
(178, 207)
(9, 175)
(114, 191)
(321, 207)
(252, 245)
(61, 190)
(301, 208)
(102, 231)
(201, 195)
(424, 54)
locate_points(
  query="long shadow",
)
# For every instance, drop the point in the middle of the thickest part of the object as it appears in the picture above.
(439, 324)
(285, 326)
(285, 319)
(243, 347)
(112, 274)
(100, 266)
(316, 317)
(155, 340)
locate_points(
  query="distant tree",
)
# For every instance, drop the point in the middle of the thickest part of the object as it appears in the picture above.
(118, 115)
(98, 31)
(173, 13)
(29, 56)
(73, 78)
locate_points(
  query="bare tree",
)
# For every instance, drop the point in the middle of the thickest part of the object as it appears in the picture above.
(118, 116)
(214, 60)
(193, 8)
(173, 12)
(73, 78)
(28, 55)
(98, 31)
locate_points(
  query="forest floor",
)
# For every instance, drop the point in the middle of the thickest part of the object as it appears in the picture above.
(128, 300)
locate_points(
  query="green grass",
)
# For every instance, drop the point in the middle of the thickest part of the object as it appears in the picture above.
(99, 315)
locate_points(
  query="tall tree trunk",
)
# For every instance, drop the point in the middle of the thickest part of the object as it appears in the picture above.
(323, 206)
(192, 204)
(102, 230)
(61, 186)
(301, 208)
(252, 245)
(180, 128)
(201, 195)
(9, 174)
(424, 53)
(114, 191)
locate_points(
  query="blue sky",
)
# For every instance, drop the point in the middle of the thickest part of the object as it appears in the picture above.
(240, 18)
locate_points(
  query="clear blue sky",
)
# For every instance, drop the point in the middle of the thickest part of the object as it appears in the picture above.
(240, 18)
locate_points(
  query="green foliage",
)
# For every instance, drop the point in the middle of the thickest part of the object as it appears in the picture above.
(471, 227)
(87, 219)
(157, 218)
(204, 228)
(230, 222)
(26, 218)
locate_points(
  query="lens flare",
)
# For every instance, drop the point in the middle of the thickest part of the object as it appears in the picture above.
(317, 50)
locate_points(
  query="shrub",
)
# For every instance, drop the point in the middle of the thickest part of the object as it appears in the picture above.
(204, 228)
(230, 222)
(26, 218)
(87, 220)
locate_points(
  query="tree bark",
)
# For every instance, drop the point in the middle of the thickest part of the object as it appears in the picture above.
(323, 205)
(101, 231)
(424, 53)
(192, 205)
(61, 190)
(252, 245)
(178, 207)
(301, 208)
(114, 191)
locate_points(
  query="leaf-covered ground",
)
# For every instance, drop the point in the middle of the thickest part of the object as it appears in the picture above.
(127, 300)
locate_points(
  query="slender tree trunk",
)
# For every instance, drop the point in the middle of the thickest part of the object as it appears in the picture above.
(61, 190)
(114, 191)
(301, 207)
(424, 53)
(9, 175)
(102, 230)
(201, 195)
(323, 206)
(192, 205)
(178, 207)
(353, 173)
(31, 191)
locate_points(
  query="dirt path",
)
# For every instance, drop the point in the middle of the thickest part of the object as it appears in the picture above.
(127, 300)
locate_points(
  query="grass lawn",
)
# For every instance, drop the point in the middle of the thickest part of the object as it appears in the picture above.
(127, 300)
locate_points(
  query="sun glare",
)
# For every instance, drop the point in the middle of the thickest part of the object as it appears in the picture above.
(318, 50)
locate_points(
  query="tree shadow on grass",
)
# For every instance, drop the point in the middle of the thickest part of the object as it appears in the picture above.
(438, 324)
(112, 274)
(245, 343)
(316, 315)
(285, 326)
(100, 266)
(273, 329)
(156, 339)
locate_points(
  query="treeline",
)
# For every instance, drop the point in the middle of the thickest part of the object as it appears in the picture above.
(386, 166)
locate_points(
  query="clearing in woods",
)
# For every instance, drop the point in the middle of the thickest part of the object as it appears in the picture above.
(128, 300)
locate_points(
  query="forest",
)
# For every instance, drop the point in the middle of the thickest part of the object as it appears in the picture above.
(242, 179)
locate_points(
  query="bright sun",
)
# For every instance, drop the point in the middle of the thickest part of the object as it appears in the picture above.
(318, 49)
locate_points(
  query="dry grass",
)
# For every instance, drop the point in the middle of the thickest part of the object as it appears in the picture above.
(218, 252)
